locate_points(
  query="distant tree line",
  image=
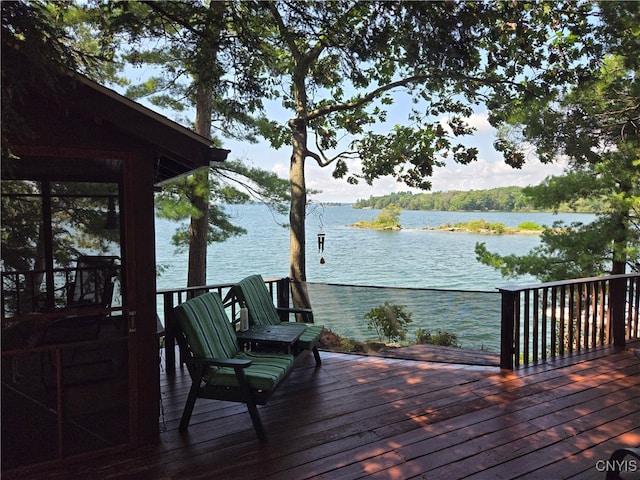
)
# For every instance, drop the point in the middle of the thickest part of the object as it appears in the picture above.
(504, 199)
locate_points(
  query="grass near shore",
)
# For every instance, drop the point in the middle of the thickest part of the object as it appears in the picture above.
(491, 228)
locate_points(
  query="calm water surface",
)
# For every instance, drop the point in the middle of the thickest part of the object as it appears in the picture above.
(413, 257)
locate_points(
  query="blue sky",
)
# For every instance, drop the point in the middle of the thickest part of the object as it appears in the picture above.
(489, 171)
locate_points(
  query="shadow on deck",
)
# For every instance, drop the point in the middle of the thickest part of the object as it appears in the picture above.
(440, 354)
(359, 416)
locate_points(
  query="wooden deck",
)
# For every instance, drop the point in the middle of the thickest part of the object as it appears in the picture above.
(359, 416)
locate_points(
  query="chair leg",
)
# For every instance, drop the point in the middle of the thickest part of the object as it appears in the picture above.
(316, 355)
(256, 420)
(188, 407)
(251, 404)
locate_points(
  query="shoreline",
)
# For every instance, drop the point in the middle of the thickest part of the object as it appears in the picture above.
(484, 231)
(454, 229)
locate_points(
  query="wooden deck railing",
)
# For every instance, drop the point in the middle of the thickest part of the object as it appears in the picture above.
(539, 322)
(278, 287)
(28, 291)
(553, 319)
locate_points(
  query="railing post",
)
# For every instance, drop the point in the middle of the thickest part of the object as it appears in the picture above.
(507, 330)
(617, 296)
(283, 297)
(169, 333)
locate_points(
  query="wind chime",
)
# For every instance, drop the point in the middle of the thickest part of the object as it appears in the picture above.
(321, 247)
(321, 237)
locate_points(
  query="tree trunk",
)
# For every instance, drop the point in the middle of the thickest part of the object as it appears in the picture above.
(619, 264)
(199, 227)
(621, 231)
(297, 214)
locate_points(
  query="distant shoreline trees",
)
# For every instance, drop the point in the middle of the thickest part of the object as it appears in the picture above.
(504, 199)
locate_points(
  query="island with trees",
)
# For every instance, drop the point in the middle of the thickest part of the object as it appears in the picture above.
(389, 219)
(502, 199)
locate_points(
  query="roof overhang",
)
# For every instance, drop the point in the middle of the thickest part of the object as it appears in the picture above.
(94, 128)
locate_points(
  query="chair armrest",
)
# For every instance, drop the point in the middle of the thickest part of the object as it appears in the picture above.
(307, 313)
(220, 362)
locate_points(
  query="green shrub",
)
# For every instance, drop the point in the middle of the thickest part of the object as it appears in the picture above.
(389, 321)
(349, 345)
(388, 218)
(482, 226)
(442, 338)
(529, 226)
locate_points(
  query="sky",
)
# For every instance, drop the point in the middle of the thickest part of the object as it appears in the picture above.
(489, 171)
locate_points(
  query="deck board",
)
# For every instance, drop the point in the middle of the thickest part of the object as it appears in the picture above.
(390, 418)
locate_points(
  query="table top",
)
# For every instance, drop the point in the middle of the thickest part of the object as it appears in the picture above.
(288, 333)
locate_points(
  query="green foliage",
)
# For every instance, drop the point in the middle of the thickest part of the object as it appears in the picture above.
(349, 345)
(387, 219)
(442, 338)
(565, 251)
(338, 69)
(593, 127)
(230, 183)
(389, 321)
(483, 226)
(532, 226)
(447, 56)
(504, 199)
(190, 49)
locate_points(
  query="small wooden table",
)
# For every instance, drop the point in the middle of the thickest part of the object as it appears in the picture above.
(272, 335)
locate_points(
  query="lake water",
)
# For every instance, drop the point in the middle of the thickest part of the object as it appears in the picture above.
(461, 293)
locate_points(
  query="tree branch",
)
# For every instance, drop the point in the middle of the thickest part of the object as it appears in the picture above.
(284, 31)
(390, 86)
(320, 112)
(154, 5)
(323, 161)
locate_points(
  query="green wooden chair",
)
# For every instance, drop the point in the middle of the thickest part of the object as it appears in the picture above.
(253, 292)
(218, 369)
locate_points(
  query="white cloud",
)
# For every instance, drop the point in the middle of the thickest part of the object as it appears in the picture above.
(484, 174)
(479, 175)
(478, 120)
(489, 171)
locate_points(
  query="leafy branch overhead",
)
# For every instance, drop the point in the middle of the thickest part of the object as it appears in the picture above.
(230, 183)
(341, 65)
(594, 125)
(339, 69)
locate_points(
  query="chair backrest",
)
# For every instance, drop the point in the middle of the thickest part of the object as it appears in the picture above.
(253, 292)
(71, 329)
(94, 281)
(206, 327)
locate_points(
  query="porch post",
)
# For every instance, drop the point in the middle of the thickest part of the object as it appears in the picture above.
(507, 329)
(617, 295)
(282, 297)
(139, 265)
